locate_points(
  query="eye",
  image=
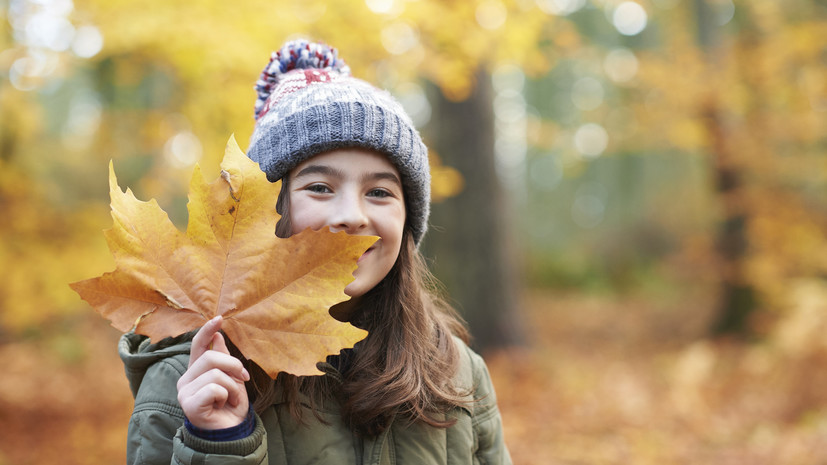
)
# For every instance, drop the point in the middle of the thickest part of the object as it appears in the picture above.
(379, 193)
(318, 189)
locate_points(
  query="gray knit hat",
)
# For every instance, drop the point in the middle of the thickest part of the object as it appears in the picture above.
(308, 103)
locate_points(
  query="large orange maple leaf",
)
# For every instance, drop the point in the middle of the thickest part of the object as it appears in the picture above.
(274, 294)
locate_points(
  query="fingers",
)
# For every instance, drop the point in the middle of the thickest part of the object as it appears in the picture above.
(211, 390)
(212, 360)
(209, 352)
(214, 400)
(205, 338)
(218, 344)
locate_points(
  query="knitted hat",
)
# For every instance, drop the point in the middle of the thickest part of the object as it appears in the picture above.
(308, 103)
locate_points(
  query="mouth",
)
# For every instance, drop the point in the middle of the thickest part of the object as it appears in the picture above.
(367, 252)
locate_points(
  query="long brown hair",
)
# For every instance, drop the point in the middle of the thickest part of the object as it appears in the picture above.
(404, 366)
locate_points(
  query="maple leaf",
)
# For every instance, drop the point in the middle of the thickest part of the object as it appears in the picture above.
(273, 293)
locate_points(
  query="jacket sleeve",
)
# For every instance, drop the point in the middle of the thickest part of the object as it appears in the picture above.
(156, 415)
(191, 450)
(487, 422)
(156, 433)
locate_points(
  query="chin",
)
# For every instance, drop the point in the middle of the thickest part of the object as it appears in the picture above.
(354, 291)
(358, 288)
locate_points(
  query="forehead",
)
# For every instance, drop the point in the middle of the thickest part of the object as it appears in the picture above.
(350, 159)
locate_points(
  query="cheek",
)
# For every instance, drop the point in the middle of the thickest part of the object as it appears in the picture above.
(305, 215)
(392, 232)
(399, 224)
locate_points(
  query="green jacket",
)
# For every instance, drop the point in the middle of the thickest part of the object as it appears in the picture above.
(157, 436)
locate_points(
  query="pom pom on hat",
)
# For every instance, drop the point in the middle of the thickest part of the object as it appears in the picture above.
(308, 103)
(297, 54)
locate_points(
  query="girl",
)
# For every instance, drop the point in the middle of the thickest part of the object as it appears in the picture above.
(412, 391)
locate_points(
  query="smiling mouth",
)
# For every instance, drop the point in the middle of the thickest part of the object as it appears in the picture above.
(367, 252)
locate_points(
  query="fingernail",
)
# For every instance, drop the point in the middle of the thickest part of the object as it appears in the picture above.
(216, 319)
(245, 374)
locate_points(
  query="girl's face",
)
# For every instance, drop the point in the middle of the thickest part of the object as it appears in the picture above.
(357, 191)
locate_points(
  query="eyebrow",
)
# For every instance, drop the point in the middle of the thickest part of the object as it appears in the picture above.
(319, 169)
(380, 175)
(329, 171)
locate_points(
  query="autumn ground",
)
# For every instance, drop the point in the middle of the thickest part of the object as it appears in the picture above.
(604, 381)
(626, 381)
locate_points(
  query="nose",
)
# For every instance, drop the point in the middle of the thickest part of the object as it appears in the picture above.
(349, 215)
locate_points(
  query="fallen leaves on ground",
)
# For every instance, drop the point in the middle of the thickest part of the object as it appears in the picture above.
(611, 380)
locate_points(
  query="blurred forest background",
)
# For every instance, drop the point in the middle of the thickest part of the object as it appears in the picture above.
(631, 204)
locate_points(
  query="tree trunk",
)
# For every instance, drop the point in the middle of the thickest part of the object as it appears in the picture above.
(738, 299)
(469, 238)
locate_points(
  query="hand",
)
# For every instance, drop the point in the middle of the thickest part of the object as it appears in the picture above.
(211, 391)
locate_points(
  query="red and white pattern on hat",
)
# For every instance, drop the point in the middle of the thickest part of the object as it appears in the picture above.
(296, 80)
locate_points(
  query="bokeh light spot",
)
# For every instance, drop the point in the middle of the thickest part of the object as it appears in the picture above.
(380, 6)
(591, 140)
(509, 106)
(560, 7)
(491, 14)
(621, 65)
(48, 30)
(28, 72)
(88, 42)
(724, 11)
(629, 18)
(183, 150)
